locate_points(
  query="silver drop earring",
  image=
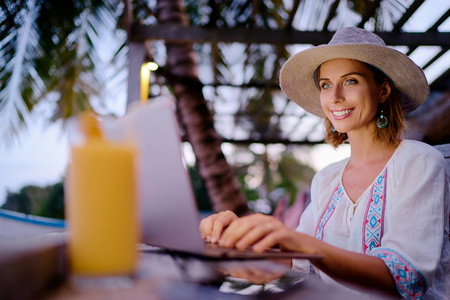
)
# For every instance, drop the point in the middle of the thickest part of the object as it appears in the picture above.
(333, 129)
(382, 122)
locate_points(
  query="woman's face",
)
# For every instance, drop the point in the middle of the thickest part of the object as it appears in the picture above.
(349, 94)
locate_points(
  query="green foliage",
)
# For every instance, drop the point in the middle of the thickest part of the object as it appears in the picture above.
(273, 175)
(282, 176)
(198, 185)
(27, 200)
(42, 201)
(53, 205)
(250, 193)
(294, 175)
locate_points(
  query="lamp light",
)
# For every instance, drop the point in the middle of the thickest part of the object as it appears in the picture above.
(146, 68)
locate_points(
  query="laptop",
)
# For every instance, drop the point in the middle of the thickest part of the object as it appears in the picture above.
(168, 210)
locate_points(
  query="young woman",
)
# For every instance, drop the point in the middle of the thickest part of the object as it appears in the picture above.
(380, 217)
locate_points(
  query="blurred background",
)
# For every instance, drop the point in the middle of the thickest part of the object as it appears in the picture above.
(246, 145)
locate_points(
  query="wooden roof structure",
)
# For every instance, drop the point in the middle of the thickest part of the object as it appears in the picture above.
(284, 122)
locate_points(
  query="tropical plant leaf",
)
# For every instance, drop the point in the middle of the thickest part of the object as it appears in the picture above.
(66, 49)
(16, 49)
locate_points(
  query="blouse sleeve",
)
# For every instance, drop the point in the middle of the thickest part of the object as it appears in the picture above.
(412, 243)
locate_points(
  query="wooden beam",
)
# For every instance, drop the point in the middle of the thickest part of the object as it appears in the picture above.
(408, 13)
(435, 58)
(416, 38)
(331, 14)
(442, 83)
(433, 28)
(441, 20)
(292, 14)
(128, 15)
(193, 34)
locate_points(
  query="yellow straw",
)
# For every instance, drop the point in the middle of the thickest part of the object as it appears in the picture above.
(90, 126)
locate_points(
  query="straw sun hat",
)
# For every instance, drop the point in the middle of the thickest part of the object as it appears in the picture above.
(297, 75)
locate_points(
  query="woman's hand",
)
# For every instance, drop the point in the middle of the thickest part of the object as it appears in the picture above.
(262, 232)
(211, 228)
(258, 231)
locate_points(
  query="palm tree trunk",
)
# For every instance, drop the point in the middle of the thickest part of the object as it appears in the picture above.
(221, 183)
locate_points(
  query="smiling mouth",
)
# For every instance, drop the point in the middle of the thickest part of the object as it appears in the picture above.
(341, 113)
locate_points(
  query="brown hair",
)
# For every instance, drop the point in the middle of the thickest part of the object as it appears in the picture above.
(392, 110)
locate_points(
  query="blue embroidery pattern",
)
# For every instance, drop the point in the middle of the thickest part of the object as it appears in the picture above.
(373, 225)
(329, 210)
(409, 281)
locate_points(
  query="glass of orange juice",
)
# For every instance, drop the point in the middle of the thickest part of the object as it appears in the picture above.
(101, 212)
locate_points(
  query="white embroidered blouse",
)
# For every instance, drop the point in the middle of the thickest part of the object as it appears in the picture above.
(402, 218)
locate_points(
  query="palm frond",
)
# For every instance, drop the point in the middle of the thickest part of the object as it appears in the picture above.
(17, 50)
(71, 50)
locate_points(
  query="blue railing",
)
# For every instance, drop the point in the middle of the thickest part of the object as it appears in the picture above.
(32, 219)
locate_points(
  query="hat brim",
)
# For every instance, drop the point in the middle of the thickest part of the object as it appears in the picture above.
(297, 74)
